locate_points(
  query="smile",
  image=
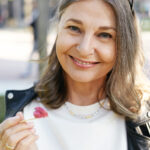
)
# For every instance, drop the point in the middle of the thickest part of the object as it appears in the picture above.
(83, 64)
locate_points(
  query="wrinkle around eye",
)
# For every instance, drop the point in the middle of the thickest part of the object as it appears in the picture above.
(74, 29)
(105, 35)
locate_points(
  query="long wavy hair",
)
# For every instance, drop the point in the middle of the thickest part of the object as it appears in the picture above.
(123, 87)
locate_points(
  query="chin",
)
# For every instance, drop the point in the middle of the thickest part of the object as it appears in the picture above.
(83, 78)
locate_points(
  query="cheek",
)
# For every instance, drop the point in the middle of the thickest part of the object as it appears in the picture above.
(64, 42)
(61, 44)
(108, 53)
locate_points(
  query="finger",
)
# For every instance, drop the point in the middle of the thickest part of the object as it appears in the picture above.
(16, 138)
(12, 121)
(27, 142)
(15, 129)
(20, 114)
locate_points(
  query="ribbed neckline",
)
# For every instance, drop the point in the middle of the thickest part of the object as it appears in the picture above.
(85, 110)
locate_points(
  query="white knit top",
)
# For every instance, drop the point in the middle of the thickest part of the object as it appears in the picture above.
(64, 131)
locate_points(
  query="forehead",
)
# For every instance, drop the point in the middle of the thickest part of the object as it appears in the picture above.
(96, 11)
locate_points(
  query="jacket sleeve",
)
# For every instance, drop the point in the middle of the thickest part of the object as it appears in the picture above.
(15, 100)
(138, 131)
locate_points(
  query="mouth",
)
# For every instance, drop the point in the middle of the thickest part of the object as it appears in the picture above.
(82, 63)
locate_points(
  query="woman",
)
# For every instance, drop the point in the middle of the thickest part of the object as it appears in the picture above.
(91, 87)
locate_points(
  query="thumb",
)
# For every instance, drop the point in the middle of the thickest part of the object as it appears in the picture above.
(20, 114)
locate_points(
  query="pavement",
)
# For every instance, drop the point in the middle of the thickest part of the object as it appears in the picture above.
(15, 49)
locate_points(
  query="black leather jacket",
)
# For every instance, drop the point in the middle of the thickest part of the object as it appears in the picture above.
(138, 132)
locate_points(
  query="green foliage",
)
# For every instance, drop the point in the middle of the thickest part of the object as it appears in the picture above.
(1, 97)
(2, 108)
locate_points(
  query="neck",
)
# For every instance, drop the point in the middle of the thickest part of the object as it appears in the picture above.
(85, 93)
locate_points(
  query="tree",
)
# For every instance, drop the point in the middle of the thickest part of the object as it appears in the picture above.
(42, 30)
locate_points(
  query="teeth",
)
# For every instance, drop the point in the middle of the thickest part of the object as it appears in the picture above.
(80, 62)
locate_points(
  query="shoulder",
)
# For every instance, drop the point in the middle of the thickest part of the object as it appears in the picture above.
(144, 114)
(140, 127)
(138, 130)
(16, 100)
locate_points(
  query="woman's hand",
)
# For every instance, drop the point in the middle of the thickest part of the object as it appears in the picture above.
(15, 135)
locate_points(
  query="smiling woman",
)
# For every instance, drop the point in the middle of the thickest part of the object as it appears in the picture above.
(91, 86)
(87, 51)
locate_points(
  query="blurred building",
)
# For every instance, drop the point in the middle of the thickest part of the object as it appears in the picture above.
(11, 12)
(14, 12)
(143, 8)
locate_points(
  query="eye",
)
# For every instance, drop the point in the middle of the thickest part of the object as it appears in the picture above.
(74, 29)
(105, 35)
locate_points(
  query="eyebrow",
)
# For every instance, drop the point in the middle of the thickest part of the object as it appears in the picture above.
(108, 28)
(101, 27)
(75, 20)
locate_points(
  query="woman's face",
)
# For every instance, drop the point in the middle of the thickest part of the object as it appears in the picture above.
(86, 41)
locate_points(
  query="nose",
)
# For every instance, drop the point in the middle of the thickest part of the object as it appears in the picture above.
(85, 46)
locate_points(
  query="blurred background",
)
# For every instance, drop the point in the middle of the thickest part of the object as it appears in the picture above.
(25, 34)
